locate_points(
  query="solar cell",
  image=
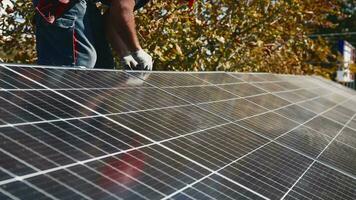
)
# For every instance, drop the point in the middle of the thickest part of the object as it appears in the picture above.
(11, 80)
(270, 87)
(171, 122)
(248, 77)
(208, 148)
(270, 170)
(325, 126)
(216, 187)
(341, 156)
(217, 78)
(317, 105)
(348, 136)
(242, 89)
(233, 110)
(108, 101)
(200, 94)
(322, 182)
(37, 105)
(290, 86)
(296, 113)
(103, 134)
(305, 140)
(269, 101)
(338, 116)
(59, 78)
(306, 93)
(270, 124)
(168, 79)
(291, 96)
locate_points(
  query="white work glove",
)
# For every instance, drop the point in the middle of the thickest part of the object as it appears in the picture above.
(144, 60)
(128, 63)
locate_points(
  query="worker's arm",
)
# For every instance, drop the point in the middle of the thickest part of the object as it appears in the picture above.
(125, 42)
(127, 62)
(123, 20)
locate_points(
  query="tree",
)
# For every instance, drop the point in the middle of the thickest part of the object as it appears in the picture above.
(247, 35)
(17, 42)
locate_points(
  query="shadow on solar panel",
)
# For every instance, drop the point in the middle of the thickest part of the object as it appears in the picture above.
(70, 133)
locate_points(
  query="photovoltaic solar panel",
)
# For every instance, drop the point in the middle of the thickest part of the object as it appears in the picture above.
(70, 133)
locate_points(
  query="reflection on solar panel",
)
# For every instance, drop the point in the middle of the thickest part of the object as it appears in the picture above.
(96, 134)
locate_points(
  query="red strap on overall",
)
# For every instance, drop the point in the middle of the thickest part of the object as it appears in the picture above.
(50, 10)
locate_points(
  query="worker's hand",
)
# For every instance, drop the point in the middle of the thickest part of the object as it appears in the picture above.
(128, 63)
(144, 60)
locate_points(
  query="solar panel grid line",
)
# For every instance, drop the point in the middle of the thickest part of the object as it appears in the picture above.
(220, 85)
(113, 104)
(14, 83)
(171, 138)
(269, 174)
(117, 100)
(282, 107)
(104, 190)
(318, 157)
(221, 193)
(70, 187)
(333, 120)
(146, 118)
(299, 152)
(163, 171)
(24, 123)
(77, 137)
(271, 157)
(131, 165)
(254, 103)
(247, 97)
(304, 108)
(26, 111)
(44, 108)
(233, 190)
(216, 172)
(325, 191)
(39, 189)
(292, 130)
(268, 92)
(130, 130)
(343, 181)
(57, 78)
(9, 195)
(83, 162)
(213, 151)
(50, 161)
(329, 188)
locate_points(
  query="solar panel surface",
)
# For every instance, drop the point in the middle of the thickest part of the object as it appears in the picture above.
(103, 134)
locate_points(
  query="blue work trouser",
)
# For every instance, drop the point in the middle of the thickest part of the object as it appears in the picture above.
(77, 38)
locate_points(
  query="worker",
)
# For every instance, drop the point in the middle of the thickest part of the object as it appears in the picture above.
(72, 33)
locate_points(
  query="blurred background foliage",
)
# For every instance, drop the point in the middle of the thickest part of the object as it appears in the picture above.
(246, 35)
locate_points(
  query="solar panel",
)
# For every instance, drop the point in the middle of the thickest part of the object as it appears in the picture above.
(70, 133)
